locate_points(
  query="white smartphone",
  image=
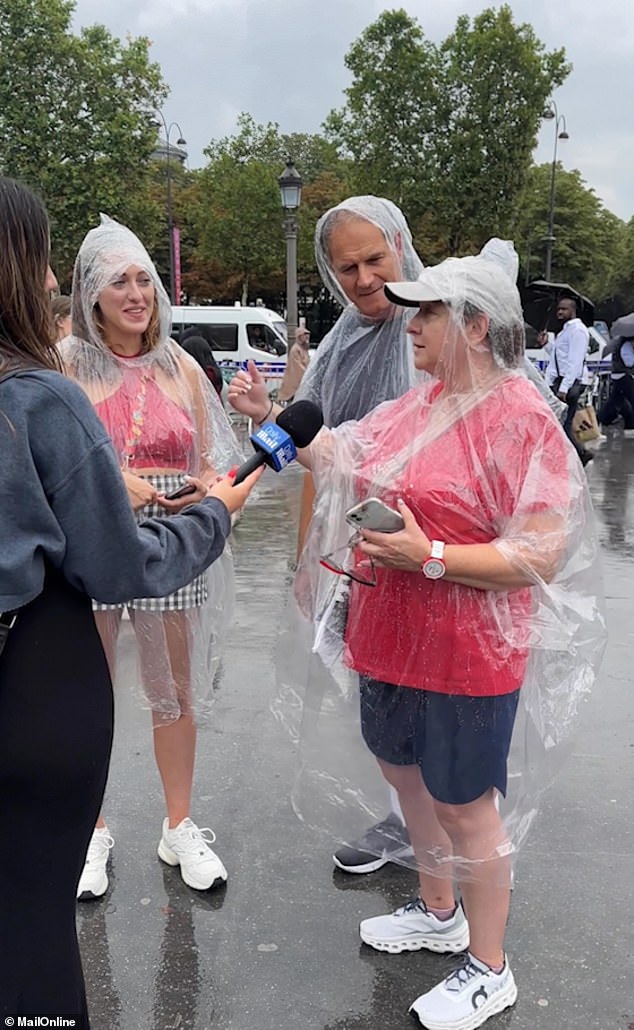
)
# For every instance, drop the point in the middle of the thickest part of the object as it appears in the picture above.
(374, 514)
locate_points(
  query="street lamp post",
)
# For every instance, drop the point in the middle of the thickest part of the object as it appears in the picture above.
(290, 183)
(180, 142)
(560, 133)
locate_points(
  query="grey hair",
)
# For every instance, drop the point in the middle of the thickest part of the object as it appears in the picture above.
(507, 340)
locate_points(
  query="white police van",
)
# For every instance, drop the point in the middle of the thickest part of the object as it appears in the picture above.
(238, 334)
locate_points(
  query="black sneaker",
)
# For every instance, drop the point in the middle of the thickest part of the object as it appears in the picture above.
(382, 843)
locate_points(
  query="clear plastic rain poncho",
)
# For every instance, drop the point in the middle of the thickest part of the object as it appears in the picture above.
(362, 361)
(485, 468)
(166, 422)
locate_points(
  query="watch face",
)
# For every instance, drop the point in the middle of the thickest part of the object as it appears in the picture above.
(434, 568)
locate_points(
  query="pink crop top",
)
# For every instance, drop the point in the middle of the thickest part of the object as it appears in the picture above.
(148, 428)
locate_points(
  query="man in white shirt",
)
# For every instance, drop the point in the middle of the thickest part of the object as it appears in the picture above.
(565, 371)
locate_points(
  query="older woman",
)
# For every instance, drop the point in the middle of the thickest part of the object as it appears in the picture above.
(166, 423)
(483, 605)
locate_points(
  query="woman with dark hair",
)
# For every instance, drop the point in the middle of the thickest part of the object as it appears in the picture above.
(200, 350)
(67, 534)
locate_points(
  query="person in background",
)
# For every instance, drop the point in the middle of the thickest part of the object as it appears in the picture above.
(80, 540)
(60, 307)
(201, 351)
(566, 367)
(297, 363)
(621, 397)
(167, 424)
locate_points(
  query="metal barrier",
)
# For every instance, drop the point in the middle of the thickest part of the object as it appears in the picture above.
(598, 388)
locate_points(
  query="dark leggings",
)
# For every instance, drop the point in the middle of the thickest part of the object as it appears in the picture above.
(56, 715)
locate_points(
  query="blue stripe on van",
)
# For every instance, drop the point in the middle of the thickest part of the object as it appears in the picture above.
(266, 367)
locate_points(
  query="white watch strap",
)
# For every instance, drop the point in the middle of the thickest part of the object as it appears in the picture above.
(437, 549)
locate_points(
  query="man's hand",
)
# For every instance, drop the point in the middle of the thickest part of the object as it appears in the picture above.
(248, 394)
(563, 397)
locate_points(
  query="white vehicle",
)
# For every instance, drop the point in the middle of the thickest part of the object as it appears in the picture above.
(238, 334)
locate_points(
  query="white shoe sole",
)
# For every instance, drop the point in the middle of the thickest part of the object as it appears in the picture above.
(500, 1001)
(366, 867)
(374, 863)
(168, 856)
(94, 894)
(451, 943)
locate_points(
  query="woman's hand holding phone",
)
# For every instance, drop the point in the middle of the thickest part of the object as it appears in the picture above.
(406, 549)
(191, 492)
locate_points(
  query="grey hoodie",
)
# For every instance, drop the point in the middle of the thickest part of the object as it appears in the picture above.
(63, 500)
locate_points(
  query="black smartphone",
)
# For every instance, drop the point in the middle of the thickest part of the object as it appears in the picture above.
(183, 491)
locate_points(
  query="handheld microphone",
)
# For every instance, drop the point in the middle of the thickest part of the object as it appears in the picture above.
(276, 443)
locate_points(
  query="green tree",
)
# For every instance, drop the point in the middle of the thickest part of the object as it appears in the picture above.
(622, 284)
(236, 215)
(76, 120)
(387, 125)
(447, 131)
(588, 238)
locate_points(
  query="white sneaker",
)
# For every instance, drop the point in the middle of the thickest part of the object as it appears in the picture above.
(93, 882)
(467, 997)
(187, 847)
(413, 927)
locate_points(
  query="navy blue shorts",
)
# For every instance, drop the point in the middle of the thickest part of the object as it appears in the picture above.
(461, 744)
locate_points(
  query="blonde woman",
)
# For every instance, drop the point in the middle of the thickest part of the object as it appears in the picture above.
(167, 424)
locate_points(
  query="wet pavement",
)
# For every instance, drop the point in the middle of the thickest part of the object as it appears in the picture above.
(278, 948)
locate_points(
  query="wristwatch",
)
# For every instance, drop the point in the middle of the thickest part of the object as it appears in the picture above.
(434, 567)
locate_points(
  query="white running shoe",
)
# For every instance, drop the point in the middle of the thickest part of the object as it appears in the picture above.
(93, 882)
(187, 847)
(467, 997)
(413, 927)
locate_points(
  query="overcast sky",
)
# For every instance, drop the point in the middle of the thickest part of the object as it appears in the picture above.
(283, 61)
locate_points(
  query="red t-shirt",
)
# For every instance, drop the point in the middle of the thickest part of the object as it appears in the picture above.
(505, 460)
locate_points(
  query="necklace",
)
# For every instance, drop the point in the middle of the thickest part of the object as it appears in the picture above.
(137, 420)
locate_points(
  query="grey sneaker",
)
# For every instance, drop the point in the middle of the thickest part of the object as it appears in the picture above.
(379, 845)
(412, 927)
